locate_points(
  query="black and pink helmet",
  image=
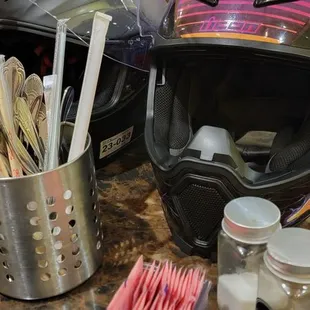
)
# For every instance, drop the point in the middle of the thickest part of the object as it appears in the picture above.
(284, 23)
(228, 111)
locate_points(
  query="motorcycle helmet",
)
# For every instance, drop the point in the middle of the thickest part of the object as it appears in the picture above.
(28, 30)
(228, 112)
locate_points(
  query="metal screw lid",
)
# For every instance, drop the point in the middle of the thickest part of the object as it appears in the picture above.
(251, 220)
(288, 255)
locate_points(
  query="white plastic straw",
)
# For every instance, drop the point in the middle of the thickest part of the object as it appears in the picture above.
(55, 103)
(49, 82)
(95, 53)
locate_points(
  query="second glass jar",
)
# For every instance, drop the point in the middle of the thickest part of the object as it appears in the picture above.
(246, 228)
(284, 278)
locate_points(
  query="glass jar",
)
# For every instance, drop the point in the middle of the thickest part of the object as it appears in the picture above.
(284, 277)
(247, 225)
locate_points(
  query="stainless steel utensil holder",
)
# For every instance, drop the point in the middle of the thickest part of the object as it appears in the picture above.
(50, 231)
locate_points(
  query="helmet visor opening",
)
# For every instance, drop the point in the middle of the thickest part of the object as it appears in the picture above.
(262, 103)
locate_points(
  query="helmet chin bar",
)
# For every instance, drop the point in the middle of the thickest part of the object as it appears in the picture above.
(215, 144)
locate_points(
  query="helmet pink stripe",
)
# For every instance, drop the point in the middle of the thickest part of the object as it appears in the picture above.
(246, 12)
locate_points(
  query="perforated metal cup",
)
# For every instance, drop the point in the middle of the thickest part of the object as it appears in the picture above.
(50, 231)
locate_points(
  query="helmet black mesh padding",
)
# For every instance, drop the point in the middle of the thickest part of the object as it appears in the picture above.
(162, 111)
(104, 92)
(180, 123)
(281, 140)
(203, 206)
(293, 152)
(301, 163)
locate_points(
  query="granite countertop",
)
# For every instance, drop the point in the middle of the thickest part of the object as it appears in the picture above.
(134, 224)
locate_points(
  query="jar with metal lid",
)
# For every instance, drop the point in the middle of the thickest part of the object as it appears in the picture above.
(247, 226)
(284, 278)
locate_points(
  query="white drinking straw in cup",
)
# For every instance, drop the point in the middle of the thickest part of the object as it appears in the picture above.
(95, 53)
(51, 162)
(49, 84)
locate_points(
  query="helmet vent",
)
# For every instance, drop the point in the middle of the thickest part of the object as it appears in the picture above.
(211, 2)
(262, 3)
(257, 3)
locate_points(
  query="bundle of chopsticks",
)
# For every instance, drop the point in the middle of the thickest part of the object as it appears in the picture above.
(23, 125)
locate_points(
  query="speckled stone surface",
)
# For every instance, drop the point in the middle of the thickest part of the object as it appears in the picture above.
(134, 224)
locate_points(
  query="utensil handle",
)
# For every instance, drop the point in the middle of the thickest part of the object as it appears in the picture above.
(16, 169)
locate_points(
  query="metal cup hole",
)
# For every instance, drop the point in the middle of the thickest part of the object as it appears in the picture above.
(45, 277)
(58, 245)
(69, 209)
(40, 249)
(50, 201)
(102, 236)
(76, 250)
(62, 272)
(262, 305)
(98, 246)
(72, 223)
(60, 258)
(92, 192)
(42, 263)
(56, 231)
(3, 251)
(78, 264)
(95, 219)
(32, 206)
(6, 265)
(2, 237)
(53, 216)
(74, 238)
(98, 232)
(38, 235)
(67, 194)
(10, 278)
(94, 206)
(34, 221)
